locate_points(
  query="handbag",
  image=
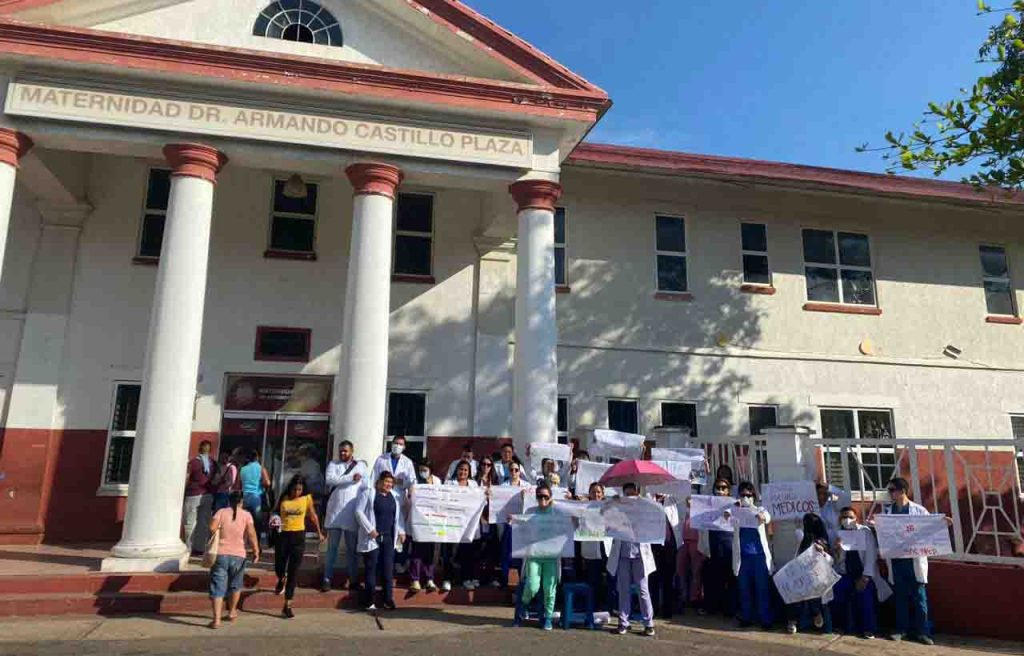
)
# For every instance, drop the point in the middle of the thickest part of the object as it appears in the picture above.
(212, 547)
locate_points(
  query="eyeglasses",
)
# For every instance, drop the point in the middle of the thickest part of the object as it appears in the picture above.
(543, 497)
(747, 496)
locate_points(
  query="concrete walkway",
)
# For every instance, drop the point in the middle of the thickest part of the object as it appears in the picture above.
(426, 631)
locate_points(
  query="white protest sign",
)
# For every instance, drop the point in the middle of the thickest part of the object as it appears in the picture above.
(790, 500)
(530, 498)
(808, 576)
(706, 513)
(854, 540)
(912, 536)
(446, 513)
(504, 501)
(557, 452)
(634, 519)
(745, 517)
(679, 489)
(589, 523)
(616, 444)
(588, 472)
(696, 458)
(542, 535)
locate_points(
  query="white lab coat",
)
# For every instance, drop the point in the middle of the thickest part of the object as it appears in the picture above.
(345, 491)
(451, 468)
(404, 473)
(368, 521)
(503, 474)
(920, 563)
(646, 555)
(736, 557)
(469, 483)
(869, 558)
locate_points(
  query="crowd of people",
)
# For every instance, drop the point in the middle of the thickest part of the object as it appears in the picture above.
(708, 572)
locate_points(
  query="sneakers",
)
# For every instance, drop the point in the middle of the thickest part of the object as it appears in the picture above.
(548, 625)
(279, 588)
(868, 636)
(415, 587)
(819, 621)
(495, 584)
(390, 604)
(925, 640)
(325, 585)
(649, 631)
(622, 629)
(288, 612)
(431, 586)
(371, 608)
(791, 627)
(446, 586)
(896, 637)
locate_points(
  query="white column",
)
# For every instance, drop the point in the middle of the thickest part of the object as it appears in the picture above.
(13, 146)
(789, 458)
(359, 413)
(151, 537)
(535, 371)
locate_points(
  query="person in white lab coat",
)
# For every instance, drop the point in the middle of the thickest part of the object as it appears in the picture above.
(860, 588)
(381, 532)
(467, 456)
(752, 562)
(346, 479)
(632, 564)
(401, 468)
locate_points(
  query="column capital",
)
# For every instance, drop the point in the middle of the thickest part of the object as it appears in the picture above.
(194, 160)
(535, 194)
(374, 178)
(13, 146)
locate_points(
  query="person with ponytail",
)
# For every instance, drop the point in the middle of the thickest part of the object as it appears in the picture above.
(233, 527)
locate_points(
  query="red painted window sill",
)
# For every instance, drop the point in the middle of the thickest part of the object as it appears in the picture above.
(405, 277)
(563, 289)
(673, 296)
(145, 260)
(843, 309)
(1010, 321)
(766, 290)
(289, 255)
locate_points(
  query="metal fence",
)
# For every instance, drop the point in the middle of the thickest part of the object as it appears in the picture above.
(744, 456)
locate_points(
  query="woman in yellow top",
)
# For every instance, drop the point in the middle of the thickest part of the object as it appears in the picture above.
(293, 509)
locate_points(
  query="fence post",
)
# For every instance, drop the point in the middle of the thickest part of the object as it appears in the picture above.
(789, 455)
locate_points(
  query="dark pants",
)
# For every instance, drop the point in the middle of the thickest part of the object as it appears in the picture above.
(755, 590)
(507, 562)
(719, 586)
(602, 585)
(287, 558)
(384, 557)
(422, 561)
(663, 580)
(489, 557)
(854, 612)
(909, 599)
(467, 555)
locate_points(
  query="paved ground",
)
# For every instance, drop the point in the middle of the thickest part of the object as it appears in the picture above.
(426, 632)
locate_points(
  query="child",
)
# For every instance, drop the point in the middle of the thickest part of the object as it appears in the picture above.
(856, 591)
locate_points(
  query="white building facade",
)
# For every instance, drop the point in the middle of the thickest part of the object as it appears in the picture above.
(277, 224)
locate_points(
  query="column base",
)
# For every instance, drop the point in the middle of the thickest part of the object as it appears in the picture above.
(143, 564)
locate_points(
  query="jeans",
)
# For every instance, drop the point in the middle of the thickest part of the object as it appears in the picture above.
(334, 538)
(538, 574)
(909, 598)
(287, 558)
(755, 586)
(631, 572)
(221, 500)
(854, 611)
(254, 504)
(422, 561)
(226, 576)
(384, 557)
(196, 512)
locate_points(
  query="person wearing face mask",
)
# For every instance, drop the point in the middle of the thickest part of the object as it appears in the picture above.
(856, 592)
(719, 581)
(632, 563)
(540, 573)
(346, 478)
(815, 536)
(399, 466)
(422, 564)
(752, 562)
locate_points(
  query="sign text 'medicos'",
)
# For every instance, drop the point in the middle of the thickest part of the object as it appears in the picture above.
(102, 107)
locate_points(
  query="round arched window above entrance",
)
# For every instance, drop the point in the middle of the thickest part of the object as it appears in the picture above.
(302, 21)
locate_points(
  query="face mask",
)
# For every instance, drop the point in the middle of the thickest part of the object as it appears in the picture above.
(849, 523)
(746, 502)
(396, 449)
(424, 474)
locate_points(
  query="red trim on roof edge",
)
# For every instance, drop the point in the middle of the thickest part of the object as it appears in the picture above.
(80, 45)
(671, 162)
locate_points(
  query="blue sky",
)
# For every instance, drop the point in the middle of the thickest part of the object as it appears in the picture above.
(802, 81)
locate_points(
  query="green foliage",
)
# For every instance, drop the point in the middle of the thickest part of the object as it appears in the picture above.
(984, 126)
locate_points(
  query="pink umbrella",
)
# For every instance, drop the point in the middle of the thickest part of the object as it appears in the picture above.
(641, 472)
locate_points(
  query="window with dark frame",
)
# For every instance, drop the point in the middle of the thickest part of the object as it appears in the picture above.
(414, 235)
(283, 344)
(761, 417)
(679, 415)
(869, 467)
(1017, 426)
(995, 271)
(293, 223)
(303, 21)
(560, 261)
(754, 243)
(837, 266)
(670, 251)
(151, 231)
(624, 415)
(407, 413)
(563, 420)
(121, 437)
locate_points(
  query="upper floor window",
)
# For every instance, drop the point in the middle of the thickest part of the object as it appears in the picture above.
(414, 235)
(563, 420)
(302, 21)
(995, 271)
(679, 415)
(838, 267)
(560, 246)
(754, 241)
(293, 222)
(624, 415)
(670, 249)
(151, 232)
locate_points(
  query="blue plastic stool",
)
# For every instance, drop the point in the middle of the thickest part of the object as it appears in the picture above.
(575, 590)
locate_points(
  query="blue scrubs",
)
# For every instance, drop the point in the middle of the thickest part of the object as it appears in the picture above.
(855, 611)
(908, 595)
(754, 580)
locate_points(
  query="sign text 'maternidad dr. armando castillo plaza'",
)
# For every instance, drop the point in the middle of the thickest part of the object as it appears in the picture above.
(131, 110)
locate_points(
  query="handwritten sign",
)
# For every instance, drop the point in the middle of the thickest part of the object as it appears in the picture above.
(588, 472)
(791, 500)
(706, 513)
(912, 536)
(590, 525)
(808, 576)
(446, 513)
(634, 519)
(552, 450)
(696, 458)
(853, 540)
(680, 488)
(744, 517)
(504, 501)
(542, 535)
(616, 444)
